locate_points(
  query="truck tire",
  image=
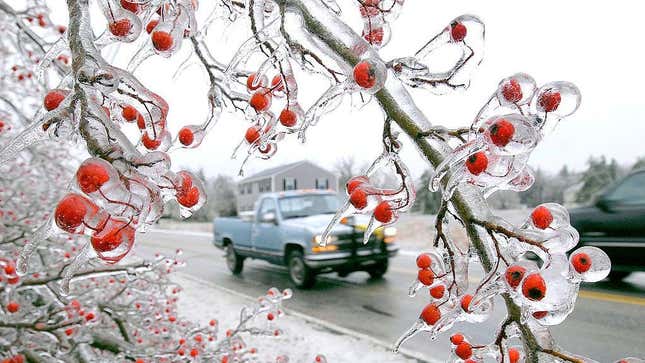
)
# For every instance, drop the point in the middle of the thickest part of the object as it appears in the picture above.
(301, 275)
(234, 261)
(377, 270)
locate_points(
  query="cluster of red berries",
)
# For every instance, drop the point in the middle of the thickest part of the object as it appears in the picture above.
(20, 73)
(42, 22)
(359, 190)
(19, 358)
(260, 101)
(374, 27)
(262, 94)
(463, 349)
(188, 194)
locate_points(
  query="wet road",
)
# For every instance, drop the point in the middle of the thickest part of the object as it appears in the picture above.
(607, 324)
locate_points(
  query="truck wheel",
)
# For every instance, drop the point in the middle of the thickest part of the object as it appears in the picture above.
(234, 261)
(301, 275)
(378, 270)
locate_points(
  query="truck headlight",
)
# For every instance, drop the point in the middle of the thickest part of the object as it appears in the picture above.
(389, 231)
(328, 248)
(330, 239)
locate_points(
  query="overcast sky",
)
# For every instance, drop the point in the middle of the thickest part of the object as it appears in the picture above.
(596, 45)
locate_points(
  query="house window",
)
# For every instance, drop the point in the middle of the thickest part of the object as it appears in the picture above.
(264, 186)
(241, 188)
(289, 184)
(322, 183)
(249, 188)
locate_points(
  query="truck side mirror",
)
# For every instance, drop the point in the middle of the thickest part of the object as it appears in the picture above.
(269, 217)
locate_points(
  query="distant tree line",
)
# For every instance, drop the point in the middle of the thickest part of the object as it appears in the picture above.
(564, 187)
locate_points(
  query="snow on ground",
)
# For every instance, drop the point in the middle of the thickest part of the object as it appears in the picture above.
(302, 340)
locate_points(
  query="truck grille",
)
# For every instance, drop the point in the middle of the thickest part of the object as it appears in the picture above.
(353, 241)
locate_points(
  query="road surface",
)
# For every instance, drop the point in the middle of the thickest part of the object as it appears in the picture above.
(607, 324)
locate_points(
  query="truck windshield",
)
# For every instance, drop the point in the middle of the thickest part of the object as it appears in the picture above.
(308, 205)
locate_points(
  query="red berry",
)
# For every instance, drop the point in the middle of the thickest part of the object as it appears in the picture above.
(187, 193)
(514, 275)
(383, 212)
(465, 302)
(358, 198)
(152, 24)
(581, 262)
(120, 27)
(458, 31)
(513, 355)
(426, 277)
(250, 80)
(141, 122)
(549, 100)
(539, 314)
(69, 331)
(113, 236)
(477, 163)
(374, 36)
(288, 118)
(270, 316)
(9, 269)
(186, 136)
(277, 84)
(162, 40)
(431, 314)
(260, 101)
(464, 350)
(534, 287)
(424, 260)
(150, 144)
(13, 307)
(252, 134)
(194, 352)
(130, 6)
(541, 217)
(70, 212)
(437, 291)
(53, 98)
(365, 75)
(501, 132)
(456, 339)
(512, 91)
(355, 182)
(266, 149)
(91, 176)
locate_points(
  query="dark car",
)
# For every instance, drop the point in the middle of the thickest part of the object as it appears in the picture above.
(616, 224)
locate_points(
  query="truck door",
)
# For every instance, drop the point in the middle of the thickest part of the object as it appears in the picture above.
(266, 232)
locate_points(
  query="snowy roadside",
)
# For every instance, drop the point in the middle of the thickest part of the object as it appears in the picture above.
(303, 337)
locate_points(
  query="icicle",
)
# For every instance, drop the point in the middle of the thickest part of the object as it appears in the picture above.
(81, 259)
(42, 233)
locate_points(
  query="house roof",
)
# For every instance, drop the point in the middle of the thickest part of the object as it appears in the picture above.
(276, 170)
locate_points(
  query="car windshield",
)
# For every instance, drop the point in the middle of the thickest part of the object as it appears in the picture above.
(308, 205)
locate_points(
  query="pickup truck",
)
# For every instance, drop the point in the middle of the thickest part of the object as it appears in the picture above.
(285, 229)
(615, 223)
